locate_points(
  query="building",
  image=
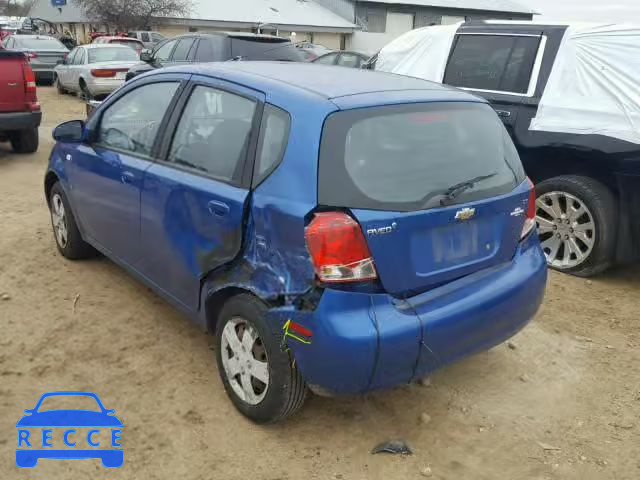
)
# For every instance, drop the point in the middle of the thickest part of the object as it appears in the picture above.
(353, 24)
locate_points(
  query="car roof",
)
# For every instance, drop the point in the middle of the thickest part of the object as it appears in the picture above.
(103, 45)
(326, 81)
(239, 35)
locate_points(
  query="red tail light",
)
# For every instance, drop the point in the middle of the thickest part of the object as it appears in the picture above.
(338, 249)
(530, 220)
(106, 73)
(31, 55)
(29, 78)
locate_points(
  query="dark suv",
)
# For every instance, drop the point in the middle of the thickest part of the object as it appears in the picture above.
(216, 47)
(588, 185)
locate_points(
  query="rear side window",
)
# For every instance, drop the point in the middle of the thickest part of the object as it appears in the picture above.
(492, 62)
(404, 158)
(181, 53)
(260, 48)
(274, 135)
(213, 134)
(213, 49)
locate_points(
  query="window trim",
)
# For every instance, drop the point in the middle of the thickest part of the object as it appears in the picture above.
(96, 121)
(174, 120)
(194, 41)
(535, 71)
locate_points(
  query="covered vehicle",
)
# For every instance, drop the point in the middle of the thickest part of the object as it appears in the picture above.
(94, 70)
(568, 95)
(340, 229)
(43, 51)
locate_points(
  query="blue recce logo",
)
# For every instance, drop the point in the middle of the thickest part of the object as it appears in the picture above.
(58, 3)
(35, 434)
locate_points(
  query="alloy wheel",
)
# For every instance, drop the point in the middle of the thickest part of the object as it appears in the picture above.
(566, 228)
(59, 221)
(245, 361)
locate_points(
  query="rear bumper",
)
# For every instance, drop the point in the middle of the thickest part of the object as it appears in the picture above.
(103, 86)
(19, 121)
(363, 342)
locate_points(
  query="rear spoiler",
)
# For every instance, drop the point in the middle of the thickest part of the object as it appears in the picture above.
(91, 106)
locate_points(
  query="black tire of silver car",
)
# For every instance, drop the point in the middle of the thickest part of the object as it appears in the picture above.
(577, 223)
(59, 87)
(261, 380)
(25, 141)
(85, 94)
(65, 230)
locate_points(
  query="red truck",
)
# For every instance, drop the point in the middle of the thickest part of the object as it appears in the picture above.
(20, 113)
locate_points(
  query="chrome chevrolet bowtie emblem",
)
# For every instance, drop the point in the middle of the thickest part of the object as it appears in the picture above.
(465, 214)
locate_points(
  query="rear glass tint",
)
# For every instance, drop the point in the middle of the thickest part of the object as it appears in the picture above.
(129, 43)
(115, 54)
(261, 48)
(40, 43)
(404, 158)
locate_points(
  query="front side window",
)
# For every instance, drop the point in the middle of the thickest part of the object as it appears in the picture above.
(144, 36)
(406, 157)
(131, 123)
(181, 53)
(328, 59)
(350, 60)
(492, 62)
(164, 51)
(156, 37)
(213, 134)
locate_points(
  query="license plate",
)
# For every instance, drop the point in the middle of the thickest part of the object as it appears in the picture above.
(455, 243)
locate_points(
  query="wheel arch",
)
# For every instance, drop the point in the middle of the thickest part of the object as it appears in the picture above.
(50, 179)
(216, 299)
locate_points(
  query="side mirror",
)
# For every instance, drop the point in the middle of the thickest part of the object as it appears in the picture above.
(69, 132)
(146, 55)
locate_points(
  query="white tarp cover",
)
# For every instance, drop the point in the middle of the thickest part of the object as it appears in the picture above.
(594, 86)
(421, 53)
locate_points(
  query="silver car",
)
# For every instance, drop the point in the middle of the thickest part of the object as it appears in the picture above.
(95, 70)
(44, 53)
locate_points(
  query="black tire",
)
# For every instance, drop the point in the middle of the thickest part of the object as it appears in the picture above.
(59, 87)
(603, 206)
(75, 247)
(85, 94)
(286, 390)
(25, 141)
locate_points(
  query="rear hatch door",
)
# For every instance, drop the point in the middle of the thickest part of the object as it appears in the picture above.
(12, 87)
(437, 188)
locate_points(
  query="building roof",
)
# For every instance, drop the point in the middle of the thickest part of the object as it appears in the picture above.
(509, 6)
(290, 13)
(276, 12)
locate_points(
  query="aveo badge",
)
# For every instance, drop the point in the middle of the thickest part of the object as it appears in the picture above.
(69, 433)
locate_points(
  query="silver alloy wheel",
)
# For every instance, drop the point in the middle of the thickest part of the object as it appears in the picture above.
(59, 220)
(566, 228)
(245, 362)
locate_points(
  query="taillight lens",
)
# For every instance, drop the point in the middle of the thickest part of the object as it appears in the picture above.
(29, 78)
(31, 55)
(338, 249)
(530, 220)
(106, 73)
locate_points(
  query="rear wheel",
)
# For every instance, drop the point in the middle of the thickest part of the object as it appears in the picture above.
(65, 230)
(25, 141)
(577, 223)
(85, 94)
(261, 379)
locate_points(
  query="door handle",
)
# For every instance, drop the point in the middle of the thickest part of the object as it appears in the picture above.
(127, 177)
(503, 113)
(219, 209)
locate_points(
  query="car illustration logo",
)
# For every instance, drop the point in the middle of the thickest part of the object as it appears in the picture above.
(465, 214)
(43, 432)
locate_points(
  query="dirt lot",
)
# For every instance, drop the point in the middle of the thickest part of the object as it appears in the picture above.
(561, 402)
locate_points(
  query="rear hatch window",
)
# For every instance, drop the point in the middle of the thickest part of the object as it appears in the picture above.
(433, 187)
(265, 48)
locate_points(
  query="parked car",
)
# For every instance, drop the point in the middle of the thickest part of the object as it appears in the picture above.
(216, 47)
(342, 59)
(43, 52)
(339, 229)
(94, 70)
(20, 113)
(149, 39)
(132, 43)
(311, 51)
(587, 177)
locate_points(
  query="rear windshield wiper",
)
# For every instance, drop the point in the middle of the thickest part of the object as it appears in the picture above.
(451, 193)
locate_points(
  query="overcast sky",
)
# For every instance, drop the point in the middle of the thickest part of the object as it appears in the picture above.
(588, 10)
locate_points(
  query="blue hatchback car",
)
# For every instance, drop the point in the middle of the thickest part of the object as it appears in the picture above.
(340, 230)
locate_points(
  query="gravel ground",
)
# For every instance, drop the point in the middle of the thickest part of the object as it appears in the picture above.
(560, 401)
